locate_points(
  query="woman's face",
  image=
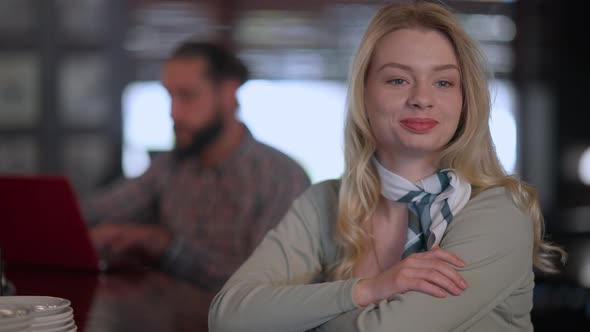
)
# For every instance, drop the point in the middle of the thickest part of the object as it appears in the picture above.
(413, 94)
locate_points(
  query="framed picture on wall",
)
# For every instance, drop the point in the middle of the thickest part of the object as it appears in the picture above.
(86, 160)
(83, 20)
(19, 90)
(83, 89)
(20, 155)
(16, 18)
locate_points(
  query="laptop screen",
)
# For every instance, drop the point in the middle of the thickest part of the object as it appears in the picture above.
(41, 224)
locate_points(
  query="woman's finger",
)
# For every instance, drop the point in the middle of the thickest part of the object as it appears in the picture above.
(424, 286)
(441, 254)
(446, 256)
(426, 264)
(440, 280)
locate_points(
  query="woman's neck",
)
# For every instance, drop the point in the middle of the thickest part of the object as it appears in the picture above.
(411, 169)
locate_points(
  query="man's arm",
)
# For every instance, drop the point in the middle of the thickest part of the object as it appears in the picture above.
(123, 219)
(127, 200)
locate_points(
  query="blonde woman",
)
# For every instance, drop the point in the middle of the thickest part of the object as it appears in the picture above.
(424, 231)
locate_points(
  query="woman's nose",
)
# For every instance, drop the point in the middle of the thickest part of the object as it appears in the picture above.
(420, 97)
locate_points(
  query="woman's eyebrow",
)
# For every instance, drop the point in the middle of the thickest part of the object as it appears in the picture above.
(408, 68)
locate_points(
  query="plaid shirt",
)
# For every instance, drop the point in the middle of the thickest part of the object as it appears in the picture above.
(217, 216)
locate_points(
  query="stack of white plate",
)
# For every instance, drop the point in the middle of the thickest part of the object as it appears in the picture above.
(14, 318)
(48, 314)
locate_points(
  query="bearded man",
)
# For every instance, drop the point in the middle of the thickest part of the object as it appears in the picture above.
(201, 209)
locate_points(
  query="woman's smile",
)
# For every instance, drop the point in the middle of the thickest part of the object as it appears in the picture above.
(419, 125)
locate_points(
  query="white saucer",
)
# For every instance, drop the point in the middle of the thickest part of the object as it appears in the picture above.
(11, 313)
(52, 324)
(41, 305)
(67, 314)
(62, 328)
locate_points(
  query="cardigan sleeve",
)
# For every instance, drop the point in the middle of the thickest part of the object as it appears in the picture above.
(495, 239)
(274, 289)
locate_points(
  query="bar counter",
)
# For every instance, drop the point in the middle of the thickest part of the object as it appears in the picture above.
(144, 300)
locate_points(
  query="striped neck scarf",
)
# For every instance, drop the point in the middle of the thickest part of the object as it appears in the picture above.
(432, 201)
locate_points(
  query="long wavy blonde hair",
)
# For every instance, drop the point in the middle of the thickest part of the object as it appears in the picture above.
(470, 152)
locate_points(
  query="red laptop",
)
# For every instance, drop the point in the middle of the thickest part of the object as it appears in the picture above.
(41, 224)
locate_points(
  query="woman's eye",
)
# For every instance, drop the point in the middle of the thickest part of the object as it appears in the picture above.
(397, 81)
(444, 84)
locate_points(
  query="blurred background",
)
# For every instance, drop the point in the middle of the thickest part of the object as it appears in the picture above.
(80, 96)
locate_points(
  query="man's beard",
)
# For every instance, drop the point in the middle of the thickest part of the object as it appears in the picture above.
(201, 139)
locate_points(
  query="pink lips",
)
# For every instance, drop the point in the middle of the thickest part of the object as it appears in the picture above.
(419, 125)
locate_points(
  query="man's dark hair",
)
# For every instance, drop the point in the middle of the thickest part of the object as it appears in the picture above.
(222, 63)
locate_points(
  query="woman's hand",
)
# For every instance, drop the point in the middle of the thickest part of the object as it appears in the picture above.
(430, 272)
